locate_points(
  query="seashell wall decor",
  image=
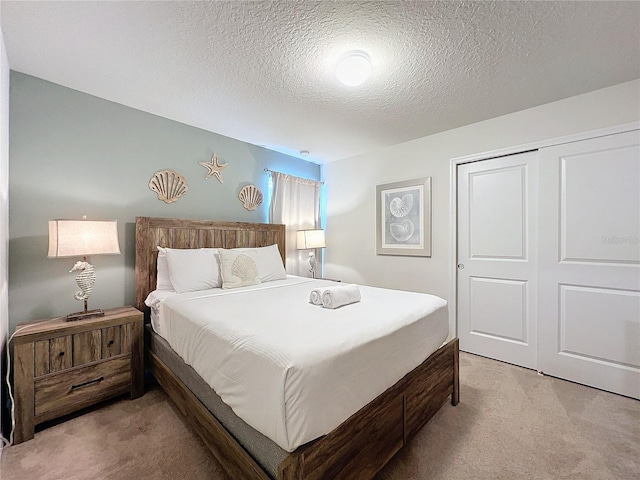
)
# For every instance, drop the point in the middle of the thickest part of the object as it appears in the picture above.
(251, 197)
(169, 185)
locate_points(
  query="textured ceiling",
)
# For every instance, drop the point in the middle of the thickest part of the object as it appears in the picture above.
(262, 72)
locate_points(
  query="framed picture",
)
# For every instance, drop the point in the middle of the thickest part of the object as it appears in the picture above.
(403, 218)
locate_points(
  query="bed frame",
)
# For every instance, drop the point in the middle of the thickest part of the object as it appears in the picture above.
(356, 449)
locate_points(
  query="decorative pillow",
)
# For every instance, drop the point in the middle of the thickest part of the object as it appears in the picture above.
(193, 269)
(269, 262)
(238, 268)
(163, 282)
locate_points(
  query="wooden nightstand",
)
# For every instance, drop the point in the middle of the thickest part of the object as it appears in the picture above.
(61, 367)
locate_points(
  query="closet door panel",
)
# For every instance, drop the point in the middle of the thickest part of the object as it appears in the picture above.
(589, 273)
(599, 206)
(584, 334)
(497, 258)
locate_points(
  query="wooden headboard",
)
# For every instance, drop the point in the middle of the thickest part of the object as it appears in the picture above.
(178, 233)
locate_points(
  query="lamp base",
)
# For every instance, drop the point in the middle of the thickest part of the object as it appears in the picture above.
(72, 317)
(312, 264)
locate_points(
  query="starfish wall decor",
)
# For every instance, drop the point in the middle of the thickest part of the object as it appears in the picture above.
(214, 168)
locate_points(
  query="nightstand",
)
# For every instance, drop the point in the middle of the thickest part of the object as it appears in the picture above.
(61, 367)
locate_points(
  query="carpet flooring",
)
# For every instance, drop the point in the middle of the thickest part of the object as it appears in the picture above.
(511, 423)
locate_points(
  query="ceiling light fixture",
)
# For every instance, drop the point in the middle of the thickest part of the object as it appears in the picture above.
(353, 68)
(304, 153)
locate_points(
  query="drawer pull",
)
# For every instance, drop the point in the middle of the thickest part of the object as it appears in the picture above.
(86, 384)
(110, 343)
(61, 354)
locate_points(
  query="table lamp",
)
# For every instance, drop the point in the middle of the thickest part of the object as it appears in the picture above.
(311, 239)
(81, 238)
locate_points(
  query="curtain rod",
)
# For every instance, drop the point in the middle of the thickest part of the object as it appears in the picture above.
(267, 170)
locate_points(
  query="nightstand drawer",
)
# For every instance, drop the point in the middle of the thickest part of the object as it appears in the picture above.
(66, 389)
(53, 355)
(62, 353)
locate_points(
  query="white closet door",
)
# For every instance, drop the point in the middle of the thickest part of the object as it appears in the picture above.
(589, 276)
(497, 258)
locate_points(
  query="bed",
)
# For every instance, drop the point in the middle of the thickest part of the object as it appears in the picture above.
(357, 448)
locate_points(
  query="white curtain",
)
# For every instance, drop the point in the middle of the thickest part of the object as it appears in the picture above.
(295, 202)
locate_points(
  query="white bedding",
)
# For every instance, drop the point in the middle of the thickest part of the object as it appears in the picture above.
(292, 370)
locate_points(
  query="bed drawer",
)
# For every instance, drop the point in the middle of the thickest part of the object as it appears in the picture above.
(86, 384)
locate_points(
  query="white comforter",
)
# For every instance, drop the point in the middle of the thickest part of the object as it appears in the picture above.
(292, 370)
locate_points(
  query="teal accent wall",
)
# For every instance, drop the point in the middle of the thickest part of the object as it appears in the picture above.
(73, 154)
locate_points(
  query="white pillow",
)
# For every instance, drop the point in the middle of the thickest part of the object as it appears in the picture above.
(269, 262)
(193, 269)
(238, 268)
(270, 265)
(163, 282)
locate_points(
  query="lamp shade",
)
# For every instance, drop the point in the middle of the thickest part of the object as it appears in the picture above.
(310, 239)
(77, 238)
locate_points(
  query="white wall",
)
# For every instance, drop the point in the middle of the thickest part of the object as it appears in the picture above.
(351, 184)
(4, 203)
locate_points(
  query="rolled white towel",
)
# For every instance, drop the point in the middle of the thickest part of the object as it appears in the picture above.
(334, 297)
(315, 296)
